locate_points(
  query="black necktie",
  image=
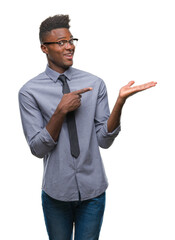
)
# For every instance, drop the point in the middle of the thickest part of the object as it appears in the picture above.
(74, 145)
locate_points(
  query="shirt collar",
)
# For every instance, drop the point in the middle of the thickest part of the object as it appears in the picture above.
(53, 75)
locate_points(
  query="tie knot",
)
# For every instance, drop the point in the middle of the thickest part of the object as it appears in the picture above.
(62, 78)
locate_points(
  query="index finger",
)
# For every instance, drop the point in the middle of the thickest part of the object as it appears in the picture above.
(82, 90)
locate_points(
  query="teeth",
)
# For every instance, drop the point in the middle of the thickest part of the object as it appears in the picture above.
(70, 54)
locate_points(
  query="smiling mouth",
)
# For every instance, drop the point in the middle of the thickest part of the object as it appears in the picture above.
(69, 55)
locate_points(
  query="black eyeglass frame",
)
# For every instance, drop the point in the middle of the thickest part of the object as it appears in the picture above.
(65, 42)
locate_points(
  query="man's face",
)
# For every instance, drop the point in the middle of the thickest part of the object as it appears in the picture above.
(59, 58)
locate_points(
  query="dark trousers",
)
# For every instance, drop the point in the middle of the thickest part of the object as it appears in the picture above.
(86, 215)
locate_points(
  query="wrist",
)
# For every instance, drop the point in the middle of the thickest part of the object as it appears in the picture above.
(61, 111)
(121, 100)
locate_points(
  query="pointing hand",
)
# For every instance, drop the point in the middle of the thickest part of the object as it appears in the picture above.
(71, 101)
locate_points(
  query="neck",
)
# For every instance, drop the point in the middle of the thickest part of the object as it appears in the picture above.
(57, 68)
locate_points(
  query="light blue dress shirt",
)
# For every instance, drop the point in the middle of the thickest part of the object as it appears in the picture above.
(67, 178)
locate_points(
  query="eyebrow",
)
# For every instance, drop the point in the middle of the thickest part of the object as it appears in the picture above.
(64, 37)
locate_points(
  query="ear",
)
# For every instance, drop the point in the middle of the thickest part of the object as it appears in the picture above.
(44, 49)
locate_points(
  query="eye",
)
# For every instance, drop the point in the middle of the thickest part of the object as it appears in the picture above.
(71, 41)
(61, 43)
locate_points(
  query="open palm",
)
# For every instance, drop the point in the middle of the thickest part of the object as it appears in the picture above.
(128, 91)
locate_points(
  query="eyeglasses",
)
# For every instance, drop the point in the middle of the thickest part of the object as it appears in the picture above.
(63, 43)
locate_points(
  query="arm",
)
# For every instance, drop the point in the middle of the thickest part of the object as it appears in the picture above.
(125, 92)
(102, 114)
(42, 139)
(37, 136)
(108, 125)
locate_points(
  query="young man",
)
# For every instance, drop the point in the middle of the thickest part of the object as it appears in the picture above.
(65, 117)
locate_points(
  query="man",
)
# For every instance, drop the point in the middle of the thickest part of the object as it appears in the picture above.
(65, 117)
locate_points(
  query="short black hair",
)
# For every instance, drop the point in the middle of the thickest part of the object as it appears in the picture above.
(50, 23)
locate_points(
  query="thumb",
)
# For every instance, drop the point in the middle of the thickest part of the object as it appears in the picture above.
(130, 83)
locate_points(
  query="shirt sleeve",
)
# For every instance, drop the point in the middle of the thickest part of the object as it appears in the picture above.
(105, 139)
(37, 136)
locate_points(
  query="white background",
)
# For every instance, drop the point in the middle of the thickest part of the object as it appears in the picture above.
(119, 41)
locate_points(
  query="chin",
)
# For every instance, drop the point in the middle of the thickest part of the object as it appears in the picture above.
(67, 65)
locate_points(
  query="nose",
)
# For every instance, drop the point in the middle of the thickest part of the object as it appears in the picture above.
(69, 46)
